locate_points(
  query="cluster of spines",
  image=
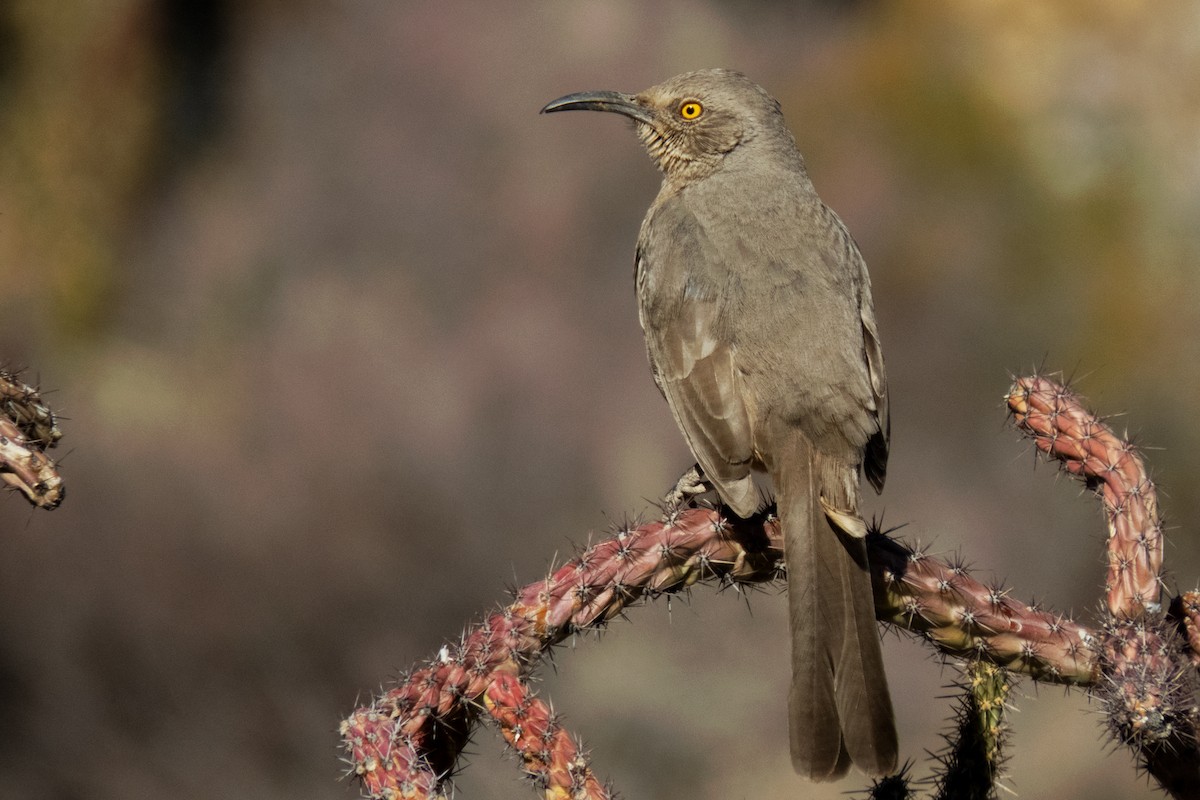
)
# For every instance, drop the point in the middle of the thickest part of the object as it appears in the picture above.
(427, 717)
(27, 429)
(898, 786)
(1148, 684)
(1148, 691)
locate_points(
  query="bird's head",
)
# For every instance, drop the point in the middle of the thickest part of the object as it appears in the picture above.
(690, 123)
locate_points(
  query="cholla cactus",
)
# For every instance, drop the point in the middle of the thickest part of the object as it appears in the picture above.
(405, 743)
(27, 429)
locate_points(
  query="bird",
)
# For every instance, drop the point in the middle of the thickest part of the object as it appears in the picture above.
(760, 330)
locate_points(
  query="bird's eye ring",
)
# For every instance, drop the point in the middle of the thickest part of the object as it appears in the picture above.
(691, 109)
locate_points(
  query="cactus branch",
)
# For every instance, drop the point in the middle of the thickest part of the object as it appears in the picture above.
(1063, 429)
(551, 758)
(1147, 684)
(974, 757)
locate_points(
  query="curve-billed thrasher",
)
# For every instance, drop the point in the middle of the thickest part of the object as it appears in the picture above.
(760, 329)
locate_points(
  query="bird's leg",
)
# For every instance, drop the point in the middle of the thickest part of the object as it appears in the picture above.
(690, 485)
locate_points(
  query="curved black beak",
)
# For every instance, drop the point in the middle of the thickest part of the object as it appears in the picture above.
(616, 102)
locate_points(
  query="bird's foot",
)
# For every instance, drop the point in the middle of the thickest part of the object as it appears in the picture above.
(690, 485)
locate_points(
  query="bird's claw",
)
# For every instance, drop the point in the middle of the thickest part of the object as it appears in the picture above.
(690, 485)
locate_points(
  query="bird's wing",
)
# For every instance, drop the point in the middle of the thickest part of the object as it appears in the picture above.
(696, 372)
(875, 455)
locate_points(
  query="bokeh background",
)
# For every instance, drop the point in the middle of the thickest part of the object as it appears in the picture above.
(346, 337)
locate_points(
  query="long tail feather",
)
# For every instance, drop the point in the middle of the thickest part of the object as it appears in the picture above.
(840, 710)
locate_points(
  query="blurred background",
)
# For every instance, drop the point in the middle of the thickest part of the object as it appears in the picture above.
(346, 339)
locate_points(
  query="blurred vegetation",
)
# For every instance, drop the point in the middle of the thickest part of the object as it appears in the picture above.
(345, 336)
(79, 125)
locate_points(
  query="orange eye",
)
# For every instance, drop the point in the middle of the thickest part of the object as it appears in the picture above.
(691, 109)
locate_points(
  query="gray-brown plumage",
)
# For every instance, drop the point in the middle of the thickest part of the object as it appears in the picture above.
(760, 329)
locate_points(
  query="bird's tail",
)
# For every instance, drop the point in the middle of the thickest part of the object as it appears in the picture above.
(840, 711)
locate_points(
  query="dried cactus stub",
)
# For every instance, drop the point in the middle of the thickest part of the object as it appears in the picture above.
(27, 429)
